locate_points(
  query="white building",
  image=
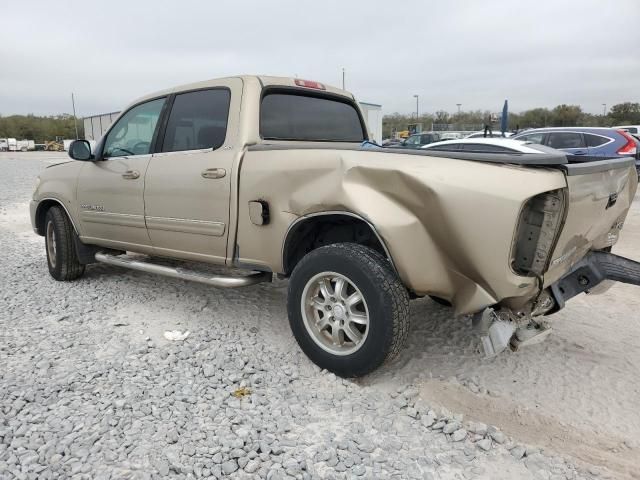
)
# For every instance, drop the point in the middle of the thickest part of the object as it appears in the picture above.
(373, 116)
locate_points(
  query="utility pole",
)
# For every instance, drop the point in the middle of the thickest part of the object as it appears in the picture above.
(604, 109)
(417, 107)
(459, 105)
(343, 78)
(75, 119)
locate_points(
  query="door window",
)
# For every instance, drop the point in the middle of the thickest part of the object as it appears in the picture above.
(532, 137)
(133, 132)
(566, 140)
(198, 120)
(413, 140)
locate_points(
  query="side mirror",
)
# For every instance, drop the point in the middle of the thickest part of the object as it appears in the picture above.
(80, 150)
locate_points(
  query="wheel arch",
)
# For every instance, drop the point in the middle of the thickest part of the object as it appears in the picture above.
(41, 213)
(300, 239)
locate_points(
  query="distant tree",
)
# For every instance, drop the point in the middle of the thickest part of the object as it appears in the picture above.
(40, 129)
(566, 115)
(625, 113)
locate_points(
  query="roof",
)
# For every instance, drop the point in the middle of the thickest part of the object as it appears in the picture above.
(518, 145)
(567, 129)
(264, 80)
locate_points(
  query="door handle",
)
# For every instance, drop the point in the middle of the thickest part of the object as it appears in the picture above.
(214, 173)
(131, 174)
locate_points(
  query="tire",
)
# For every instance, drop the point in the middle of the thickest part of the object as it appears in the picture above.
(365, 274)
(62, 258)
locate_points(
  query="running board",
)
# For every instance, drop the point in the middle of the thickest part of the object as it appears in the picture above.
(183, 274)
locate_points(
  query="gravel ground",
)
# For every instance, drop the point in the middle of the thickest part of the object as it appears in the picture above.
(90, 388)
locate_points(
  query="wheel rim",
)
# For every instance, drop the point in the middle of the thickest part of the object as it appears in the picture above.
(51, 244)
(335, 313)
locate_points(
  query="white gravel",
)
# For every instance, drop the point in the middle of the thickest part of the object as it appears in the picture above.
(91, 388)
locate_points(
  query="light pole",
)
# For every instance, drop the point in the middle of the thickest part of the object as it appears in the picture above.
(459, 105)
(417, 106)
(604, 109)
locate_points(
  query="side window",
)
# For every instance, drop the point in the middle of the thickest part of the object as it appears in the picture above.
(452, 147)
(198, 120)
(133, 132)
(480, 147)
(566, 140)
(413, 140)
(595, 140)
(532, 137)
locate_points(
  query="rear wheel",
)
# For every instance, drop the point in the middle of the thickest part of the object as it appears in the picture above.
(62, 258)
(348, 309)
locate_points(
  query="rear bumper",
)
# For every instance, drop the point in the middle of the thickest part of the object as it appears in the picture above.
(592, 270)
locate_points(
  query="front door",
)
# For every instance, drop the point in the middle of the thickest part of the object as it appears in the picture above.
(188, 181)
(111, 189)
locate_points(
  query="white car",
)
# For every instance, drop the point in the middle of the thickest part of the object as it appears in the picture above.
(489, 145)
(450, 136)
(494, 134)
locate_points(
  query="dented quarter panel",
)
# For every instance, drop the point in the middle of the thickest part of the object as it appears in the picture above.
(448, 224)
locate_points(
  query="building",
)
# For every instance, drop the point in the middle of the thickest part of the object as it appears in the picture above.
(97, 125)
(373, 116)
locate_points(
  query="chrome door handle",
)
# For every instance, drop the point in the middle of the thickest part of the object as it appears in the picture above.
(131, 174)
(214, 173)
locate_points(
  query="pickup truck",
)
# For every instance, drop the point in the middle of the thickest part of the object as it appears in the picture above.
(275, 176)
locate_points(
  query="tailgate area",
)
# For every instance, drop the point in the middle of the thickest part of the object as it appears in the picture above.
(599, 197)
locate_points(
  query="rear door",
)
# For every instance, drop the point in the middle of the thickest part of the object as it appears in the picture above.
(188, 181)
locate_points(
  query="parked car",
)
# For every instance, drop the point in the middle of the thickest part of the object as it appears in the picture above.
(392, 142)
(584, 144)
(417, 140)
(266, 176)
(489, 145)
(494, 134)
(633, 129)
(450, 135)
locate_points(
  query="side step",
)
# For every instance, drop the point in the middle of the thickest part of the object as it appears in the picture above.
(589, 272)
(213, 280)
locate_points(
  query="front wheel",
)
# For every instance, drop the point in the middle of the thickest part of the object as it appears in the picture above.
(62, 258)
(348, 309)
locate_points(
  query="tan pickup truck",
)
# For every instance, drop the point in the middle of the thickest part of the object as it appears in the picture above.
(269, 176)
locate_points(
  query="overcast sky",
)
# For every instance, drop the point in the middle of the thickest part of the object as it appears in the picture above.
(537, 53)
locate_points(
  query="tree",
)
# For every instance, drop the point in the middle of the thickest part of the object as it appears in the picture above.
(626, 113)
(566, 115)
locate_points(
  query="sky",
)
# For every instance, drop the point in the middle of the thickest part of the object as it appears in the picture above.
(478, 53)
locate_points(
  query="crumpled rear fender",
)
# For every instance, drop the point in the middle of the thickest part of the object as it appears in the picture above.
(448, 224)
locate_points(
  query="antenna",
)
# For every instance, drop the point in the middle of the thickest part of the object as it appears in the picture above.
(75, 119)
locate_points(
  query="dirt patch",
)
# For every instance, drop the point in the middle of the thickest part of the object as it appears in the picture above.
(535, 428)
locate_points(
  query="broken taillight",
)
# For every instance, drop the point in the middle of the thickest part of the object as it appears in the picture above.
(539, 223)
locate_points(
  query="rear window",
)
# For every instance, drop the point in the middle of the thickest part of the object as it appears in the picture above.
(288, 116)
(596, 140)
